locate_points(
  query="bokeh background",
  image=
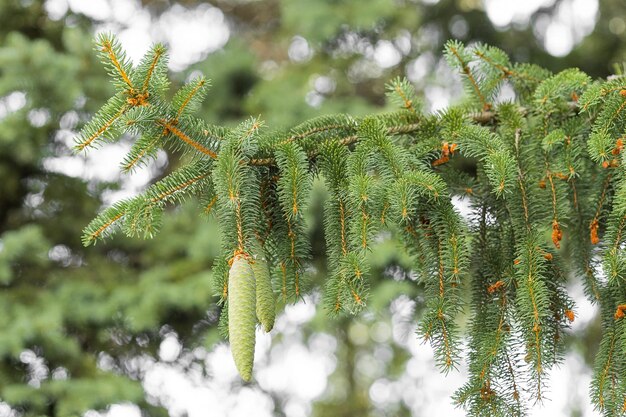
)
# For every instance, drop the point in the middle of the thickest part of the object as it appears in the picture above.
(128, 328)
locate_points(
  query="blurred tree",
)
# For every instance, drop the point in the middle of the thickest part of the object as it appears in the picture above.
(73, 318)
(76, 320)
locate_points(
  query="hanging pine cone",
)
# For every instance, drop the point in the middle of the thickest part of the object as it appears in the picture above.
(265, 304)
(242, 315)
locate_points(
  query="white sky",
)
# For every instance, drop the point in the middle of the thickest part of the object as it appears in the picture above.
(290, 367)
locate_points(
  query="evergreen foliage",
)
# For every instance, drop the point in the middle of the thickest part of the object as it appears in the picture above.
(548, 199)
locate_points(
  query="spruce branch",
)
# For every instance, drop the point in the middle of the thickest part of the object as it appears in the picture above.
(545, 186)
(115, 58)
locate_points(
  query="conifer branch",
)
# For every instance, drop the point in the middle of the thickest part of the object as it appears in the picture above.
(556, 230)
(92, 236)
(604, 375)
(136, 155)
(594, 225)
(102, 225)
(95, 134)
(342, 225)
(159, 50)
(199, 84)
(453, 49)
(209, 207)
(440, 312)
(168, 193)
(110, 49)
(397, 172)
(171, 128)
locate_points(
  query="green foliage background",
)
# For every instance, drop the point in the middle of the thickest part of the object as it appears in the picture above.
(73, 319)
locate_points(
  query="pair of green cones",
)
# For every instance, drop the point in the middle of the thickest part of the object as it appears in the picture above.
(250, 297)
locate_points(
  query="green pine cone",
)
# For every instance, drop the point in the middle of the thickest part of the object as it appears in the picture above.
(242, 315)
(265, 304)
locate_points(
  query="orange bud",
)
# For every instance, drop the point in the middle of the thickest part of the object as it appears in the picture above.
(557, 234)
(620, 312)
(561, 176)
(441, 160)
(445, 149)
(570, 315)
(516, 262)
(453, 147)
(619, 145)
(493, 287)
(542, 183)
(574, 96)
(548, 256)
(593, 228)
(486, 393)
(623, 93)
(605, 164)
